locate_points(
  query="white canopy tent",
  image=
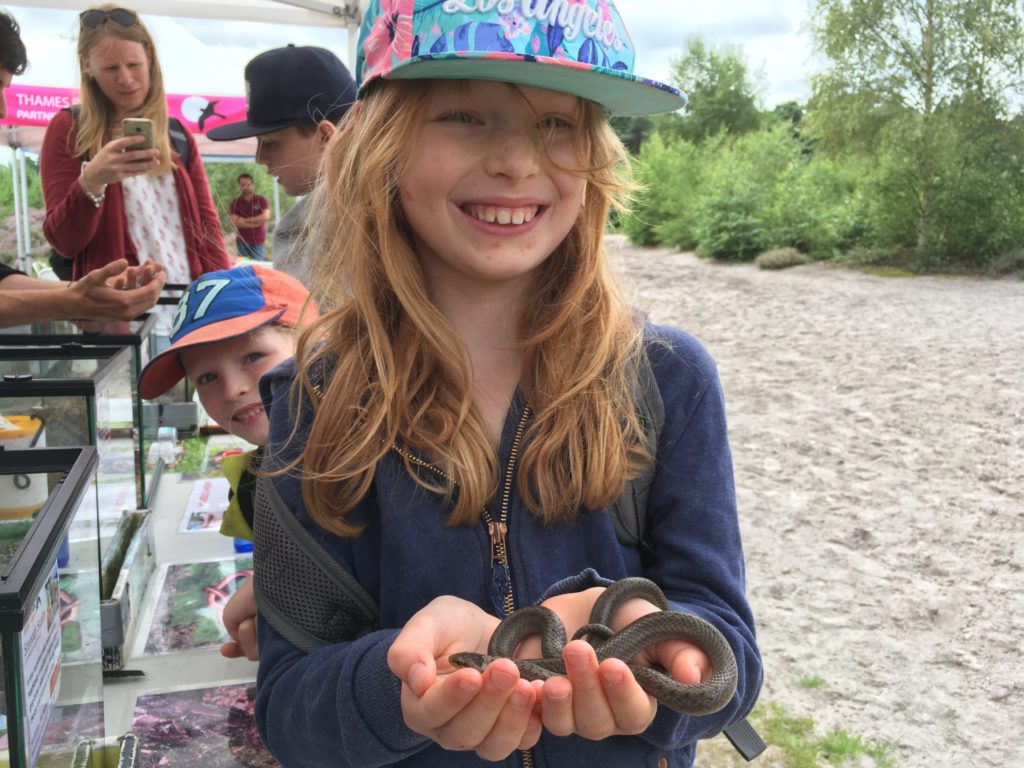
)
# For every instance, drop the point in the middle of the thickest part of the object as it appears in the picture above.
(345, 14)
(305, 13)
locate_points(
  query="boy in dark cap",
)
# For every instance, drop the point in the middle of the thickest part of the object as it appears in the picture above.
(296, 96)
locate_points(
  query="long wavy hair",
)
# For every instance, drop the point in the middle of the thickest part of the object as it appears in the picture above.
(398, 377)
(97, 114)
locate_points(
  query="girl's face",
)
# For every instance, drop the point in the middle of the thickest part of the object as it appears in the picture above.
(121, 70)
(485, 189)
(226, 376)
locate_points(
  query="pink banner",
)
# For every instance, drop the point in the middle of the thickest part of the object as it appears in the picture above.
(36, 105)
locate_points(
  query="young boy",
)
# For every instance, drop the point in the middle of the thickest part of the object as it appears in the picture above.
(231, 326)
(297, 95)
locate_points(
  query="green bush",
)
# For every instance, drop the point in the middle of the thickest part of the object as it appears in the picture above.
(665, 209)
(819, 208)
(735, 212)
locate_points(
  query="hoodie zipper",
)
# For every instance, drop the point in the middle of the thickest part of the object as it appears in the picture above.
(497, 530)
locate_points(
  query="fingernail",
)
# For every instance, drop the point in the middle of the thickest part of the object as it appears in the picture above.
(417, 675)
(520, 699)
(558, 695)
(502, 680)
(612, 677)
(577, 660)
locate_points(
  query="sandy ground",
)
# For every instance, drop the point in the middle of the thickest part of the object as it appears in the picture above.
(877, 427)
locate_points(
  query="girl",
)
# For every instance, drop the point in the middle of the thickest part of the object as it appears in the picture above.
(108, 199)
(465, 411)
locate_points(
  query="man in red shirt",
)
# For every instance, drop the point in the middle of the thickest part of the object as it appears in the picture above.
(249, 214)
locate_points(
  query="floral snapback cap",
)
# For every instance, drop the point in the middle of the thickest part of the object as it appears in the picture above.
(573, 46)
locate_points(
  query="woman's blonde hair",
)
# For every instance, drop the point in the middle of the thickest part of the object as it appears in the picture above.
(96, 113)
(399, 378)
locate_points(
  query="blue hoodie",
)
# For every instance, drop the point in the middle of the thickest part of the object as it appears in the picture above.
(340, 705)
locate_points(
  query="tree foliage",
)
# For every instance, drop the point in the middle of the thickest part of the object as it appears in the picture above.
(722, 95)
(926, 89)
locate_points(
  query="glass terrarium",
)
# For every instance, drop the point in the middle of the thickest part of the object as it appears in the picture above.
(139, 335)
(79, 395)
(50, 627)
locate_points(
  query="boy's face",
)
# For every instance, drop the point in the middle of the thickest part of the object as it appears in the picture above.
(293, 155)
(226, 375)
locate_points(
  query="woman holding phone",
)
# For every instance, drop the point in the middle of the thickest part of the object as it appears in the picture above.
(109, 197)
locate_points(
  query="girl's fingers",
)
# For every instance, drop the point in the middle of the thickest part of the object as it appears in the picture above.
(472, 727)
(591, 710)
(441, 702)
(556, 706)
(632, 707)
(512, 725)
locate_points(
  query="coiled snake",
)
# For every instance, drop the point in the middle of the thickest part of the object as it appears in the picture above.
(701, 699)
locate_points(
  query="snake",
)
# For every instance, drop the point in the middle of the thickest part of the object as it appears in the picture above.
(703, 698)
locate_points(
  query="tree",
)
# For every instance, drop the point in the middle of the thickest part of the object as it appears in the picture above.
(912, 82)
(722, 96)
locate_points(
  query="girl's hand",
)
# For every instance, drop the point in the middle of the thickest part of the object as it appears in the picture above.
(601, 700)
(118, 160)
(490, 713)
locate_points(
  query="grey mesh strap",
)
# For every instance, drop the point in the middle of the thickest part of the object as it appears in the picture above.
(629, 512)
(305, 594)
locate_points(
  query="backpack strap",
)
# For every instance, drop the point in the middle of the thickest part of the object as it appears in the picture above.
(629, 515)
(629, 512)
(176, 131)
(302, 591)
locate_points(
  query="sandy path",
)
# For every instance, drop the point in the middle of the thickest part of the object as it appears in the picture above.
(878, 433)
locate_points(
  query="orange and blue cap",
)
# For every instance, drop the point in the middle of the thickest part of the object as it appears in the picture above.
(223, 305)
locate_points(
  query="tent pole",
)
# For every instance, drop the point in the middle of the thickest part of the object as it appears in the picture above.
(24, 213)
(16, 189)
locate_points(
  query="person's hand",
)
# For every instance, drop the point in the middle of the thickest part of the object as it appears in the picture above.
(492, 713)
(240, 622)
(96, 295)
(595, 700)
(138, 277)
(119, 159)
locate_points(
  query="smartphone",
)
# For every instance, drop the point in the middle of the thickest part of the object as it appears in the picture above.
(139, 126)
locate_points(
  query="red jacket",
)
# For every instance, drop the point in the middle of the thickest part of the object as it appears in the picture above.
(93, 236)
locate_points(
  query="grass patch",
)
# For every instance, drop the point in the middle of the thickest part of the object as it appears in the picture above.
(812, 682)
(794, 742)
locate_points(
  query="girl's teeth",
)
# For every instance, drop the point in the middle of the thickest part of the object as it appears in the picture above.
(505, 216)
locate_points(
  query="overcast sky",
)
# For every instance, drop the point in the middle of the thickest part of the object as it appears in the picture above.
(208, 57)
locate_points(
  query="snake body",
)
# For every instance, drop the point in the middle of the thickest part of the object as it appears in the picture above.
(700, 699)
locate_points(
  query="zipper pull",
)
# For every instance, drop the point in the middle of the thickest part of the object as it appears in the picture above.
(497, 533)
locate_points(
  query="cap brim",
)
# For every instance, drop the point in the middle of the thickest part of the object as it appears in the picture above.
(618, 92)
(165, 370)
(247, 130)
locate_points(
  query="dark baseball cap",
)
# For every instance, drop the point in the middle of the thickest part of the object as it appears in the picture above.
(288, 86)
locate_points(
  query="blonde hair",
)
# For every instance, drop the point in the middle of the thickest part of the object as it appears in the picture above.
(96, 113)
(398, 375)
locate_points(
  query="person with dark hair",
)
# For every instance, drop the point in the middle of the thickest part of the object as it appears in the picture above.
(297, 96)
(250, 213)
(13, 58)
(108, 197)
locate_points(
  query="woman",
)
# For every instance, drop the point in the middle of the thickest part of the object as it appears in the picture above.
(108, 199)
